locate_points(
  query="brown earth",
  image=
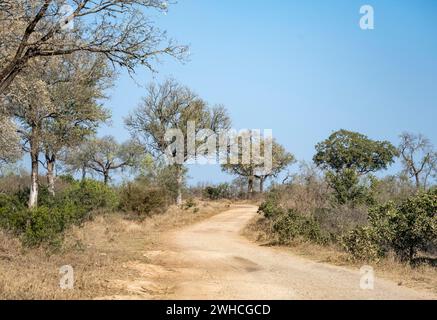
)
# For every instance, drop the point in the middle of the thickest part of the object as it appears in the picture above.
(211, 260)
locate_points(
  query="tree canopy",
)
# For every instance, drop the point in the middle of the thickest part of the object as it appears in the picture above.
(352, 150)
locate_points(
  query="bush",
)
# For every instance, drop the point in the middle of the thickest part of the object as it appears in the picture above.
(363, 244)
(10, 210)
(142, 199)
(291, 225)
(221, 191)
(91, 195)
(405, 227)
(44, 197)
(409, 226)
(47, 223)
(189, 203)
(40, 225)
(271, 206)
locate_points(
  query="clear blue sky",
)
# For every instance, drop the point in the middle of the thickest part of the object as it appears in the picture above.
(301, 68)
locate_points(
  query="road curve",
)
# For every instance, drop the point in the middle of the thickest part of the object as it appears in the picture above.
(210, 260)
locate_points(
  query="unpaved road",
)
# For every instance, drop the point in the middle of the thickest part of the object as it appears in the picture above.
(210, 260)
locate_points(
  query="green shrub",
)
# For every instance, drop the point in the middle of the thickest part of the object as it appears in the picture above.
(405, 227)
(271, 205)
(44, 197)
(408, 226)
(47, 223)
(11, 208)
(142, 199)
(363, 244)
(189, 203)
(290, 226)
(91, 195)
(221, 191)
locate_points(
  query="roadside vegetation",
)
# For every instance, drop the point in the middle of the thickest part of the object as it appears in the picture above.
(338, 205)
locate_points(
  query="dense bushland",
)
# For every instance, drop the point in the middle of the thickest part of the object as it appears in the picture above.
(47, 223)
(305, 211)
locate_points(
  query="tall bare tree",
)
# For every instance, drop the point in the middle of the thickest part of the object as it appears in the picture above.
(119, 30)
(172, 106)
(419, 158)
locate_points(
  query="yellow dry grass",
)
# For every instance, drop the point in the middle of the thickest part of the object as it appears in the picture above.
(107, 254)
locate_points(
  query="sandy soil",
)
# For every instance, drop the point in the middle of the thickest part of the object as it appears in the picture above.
(211, 260)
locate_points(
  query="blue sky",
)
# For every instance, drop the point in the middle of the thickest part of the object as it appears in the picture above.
(301, 68)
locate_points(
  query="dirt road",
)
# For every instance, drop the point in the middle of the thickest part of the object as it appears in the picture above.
(210, 260)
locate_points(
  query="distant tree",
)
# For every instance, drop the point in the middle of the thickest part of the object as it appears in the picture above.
(419, 158)
(105, 155)
(171, 106)
(256, 167)
(10, 149)
(281, 159)
(346, 156)
(118, 30)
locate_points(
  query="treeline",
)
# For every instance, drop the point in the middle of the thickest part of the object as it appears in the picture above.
(339, 201)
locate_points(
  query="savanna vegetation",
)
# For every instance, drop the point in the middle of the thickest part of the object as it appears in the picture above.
(57, 173)
(340, 201)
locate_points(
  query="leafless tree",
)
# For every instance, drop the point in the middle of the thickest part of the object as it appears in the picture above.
(172, 106)
(119, 30)
(418, 158)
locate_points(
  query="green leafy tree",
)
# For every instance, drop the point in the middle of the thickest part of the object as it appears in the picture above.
(346, 156)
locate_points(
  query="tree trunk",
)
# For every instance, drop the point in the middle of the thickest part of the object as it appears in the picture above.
(180, 180)
(417, 178)
(34, 151)
(50, 161)
(106, 177)
(261, 185)
(83, 173)
(250, 187)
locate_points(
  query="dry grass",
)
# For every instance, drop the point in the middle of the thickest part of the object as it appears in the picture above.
(106, 254)
(422, 277)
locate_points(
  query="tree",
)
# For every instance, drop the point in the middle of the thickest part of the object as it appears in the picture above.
(116, 29)
(281, 159)
(82, 81)
(419, 158)
(106, 155)
(346, 156)
(10, 149)
(76, 159)
(171, 106)
(255, 168)
(55, 103)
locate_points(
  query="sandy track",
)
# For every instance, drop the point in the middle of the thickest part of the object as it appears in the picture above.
(210, 260)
